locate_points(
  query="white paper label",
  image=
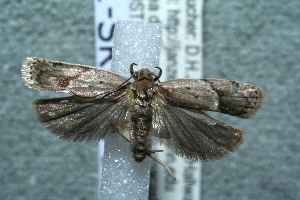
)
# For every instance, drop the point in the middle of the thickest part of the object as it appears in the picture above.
(107, 12)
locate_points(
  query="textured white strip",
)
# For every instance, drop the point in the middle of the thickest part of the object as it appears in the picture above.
(123, 178)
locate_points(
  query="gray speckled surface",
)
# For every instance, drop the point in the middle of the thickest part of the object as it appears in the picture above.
(257, 42)
(251, 41)
(34, 163)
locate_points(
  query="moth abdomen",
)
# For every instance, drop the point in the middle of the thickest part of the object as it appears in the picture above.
(141, 117)
(140, 145)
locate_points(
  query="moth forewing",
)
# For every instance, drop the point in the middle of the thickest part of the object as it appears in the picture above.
(226, 96)
(41, 73)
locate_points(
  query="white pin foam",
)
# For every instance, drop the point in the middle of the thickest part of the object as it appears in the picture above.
(123, 178)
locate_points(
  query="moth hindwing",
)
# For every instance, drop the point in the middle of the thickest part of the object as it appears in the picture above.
(173, 111)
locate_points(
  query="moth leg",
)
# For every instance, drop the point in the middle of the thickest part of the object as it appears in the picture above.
(124, 128)
(151, 155)
(127, 135)
(154, 150)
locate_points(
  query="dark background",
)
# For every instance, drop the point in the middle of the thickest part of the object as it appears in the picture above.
(251, 41)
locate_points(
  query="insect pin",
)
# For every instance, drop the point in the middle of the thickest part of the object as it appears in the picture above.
(104, 103)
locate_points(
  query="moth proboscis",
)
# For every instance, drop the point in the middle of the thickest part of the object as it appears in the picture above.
(104, 102)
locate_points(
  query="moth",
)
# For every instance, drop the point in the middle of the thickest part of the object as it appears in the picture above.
(141, 107)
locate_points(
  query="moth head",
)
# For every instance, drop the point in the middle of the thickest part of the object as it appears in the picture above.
(144, 74)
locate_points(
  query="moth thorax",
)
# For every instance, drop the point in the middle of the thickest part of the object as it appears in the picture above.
(145, 74)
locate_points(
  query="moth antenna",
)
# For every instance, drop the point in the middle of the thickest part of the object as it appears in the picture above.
(156, 77)
(117, 88)
(151, 155)
(131, 69)
(77, 94)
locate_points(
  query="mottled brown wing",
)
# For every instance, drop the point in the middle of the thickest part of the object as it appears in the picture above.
(41, 73)
(226, 96)
(193, 135)
(77, 118)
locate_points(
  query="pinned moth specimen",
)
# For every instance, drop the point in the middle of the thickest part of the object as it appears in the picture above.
(141, 107)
